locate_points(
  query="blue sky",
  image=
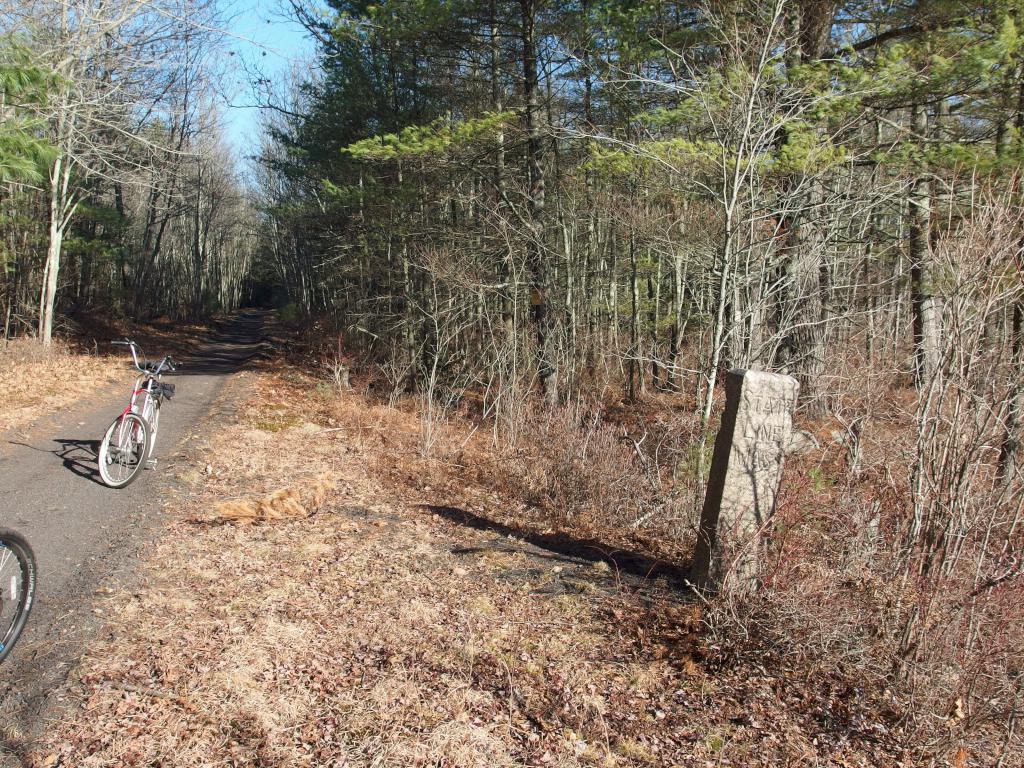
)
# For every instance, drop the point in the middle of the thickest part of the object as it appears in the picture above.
(263, 38)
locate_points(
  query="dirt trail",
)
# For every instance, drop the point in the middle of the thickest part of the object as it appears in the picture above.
(85, 535)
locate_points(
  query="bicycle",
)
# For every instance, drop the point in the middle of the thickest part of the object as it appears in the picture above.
(17, 587)
(128, 444)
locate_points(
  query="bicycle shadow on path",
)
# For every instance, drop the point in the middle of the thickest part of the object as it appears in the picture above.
(79, 456)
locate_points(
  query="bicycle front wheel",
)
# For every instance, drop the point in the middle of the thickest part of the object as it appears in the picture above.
(123, 450)
(17, 588)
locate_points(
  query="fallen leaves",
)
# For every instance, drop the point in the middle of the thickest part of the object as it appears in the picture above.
(33, 379)
(378, 634)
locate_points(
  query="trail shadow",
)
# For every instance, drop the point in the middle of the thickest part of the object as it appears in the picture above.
(221, 360)
(229, 350)
(634, 566)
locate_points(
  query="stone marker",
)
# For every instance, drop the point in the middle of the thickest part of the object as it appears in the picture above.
(745, 472)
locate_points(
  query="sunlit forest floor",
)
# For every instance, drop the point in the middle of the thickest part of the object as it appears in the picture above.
(330, 596)
(36, 381)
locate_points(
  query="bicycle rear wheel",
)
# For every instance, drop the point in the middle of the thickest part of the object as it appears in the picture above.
(123, 450)
(17, 588)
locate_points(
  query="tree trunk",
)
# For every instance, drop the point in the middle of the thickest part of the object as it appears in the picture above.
(804, 273)
(635, 369)
(1010, 449)
(535, 256)
(60, 176)
(924, 306)
(654, 297)
(810, 313)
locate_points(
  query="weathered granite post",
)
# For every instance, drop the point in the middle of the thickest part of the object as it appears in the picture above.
(745, 472)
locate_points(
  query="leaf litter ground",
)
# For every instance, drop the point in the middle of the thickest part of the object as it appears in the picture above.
(300, 612)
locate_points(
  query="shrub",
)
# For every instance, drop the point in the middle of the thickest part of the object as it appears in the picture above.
(901, 578)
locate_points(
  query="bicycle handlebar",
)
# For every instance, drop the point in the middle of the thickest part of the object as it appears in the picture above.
(133, 347)
(166, 364)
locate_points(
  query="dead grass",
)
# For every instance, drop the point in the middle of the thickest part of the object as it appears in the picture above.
(377, 633)
(36, 381)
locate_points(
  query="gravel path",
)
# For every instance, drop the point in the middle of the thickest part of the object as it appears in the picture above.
(85, 535)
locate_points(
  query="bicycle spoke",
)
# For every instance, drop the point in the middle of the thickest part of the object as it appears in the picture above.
(10, 593)
(16, 586)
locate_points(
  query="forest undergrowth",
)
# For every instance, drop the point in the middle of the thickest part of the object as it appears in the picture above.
(535, 236)
(333, 594)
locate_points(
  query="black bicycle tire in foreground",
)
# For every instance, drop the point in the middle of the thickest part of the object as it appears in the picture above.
(17, 588)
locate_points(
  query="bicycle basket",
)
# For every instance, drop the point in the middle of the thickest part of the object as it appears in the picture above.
(164, 390)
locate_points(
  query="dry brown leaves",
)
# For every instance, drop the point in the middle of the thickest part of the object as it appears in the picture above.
(378, 633)
(35, 381)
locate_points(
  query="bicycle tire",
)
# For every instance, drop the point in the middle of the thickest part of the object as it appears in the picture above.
(105, 455)
(20, 592)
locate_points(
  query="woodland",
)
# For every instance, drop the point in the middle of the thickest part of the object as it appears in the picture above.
(565, 221)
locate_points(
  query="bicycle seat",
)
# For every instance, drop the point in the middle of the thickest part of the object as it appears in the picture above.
(149, 365)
